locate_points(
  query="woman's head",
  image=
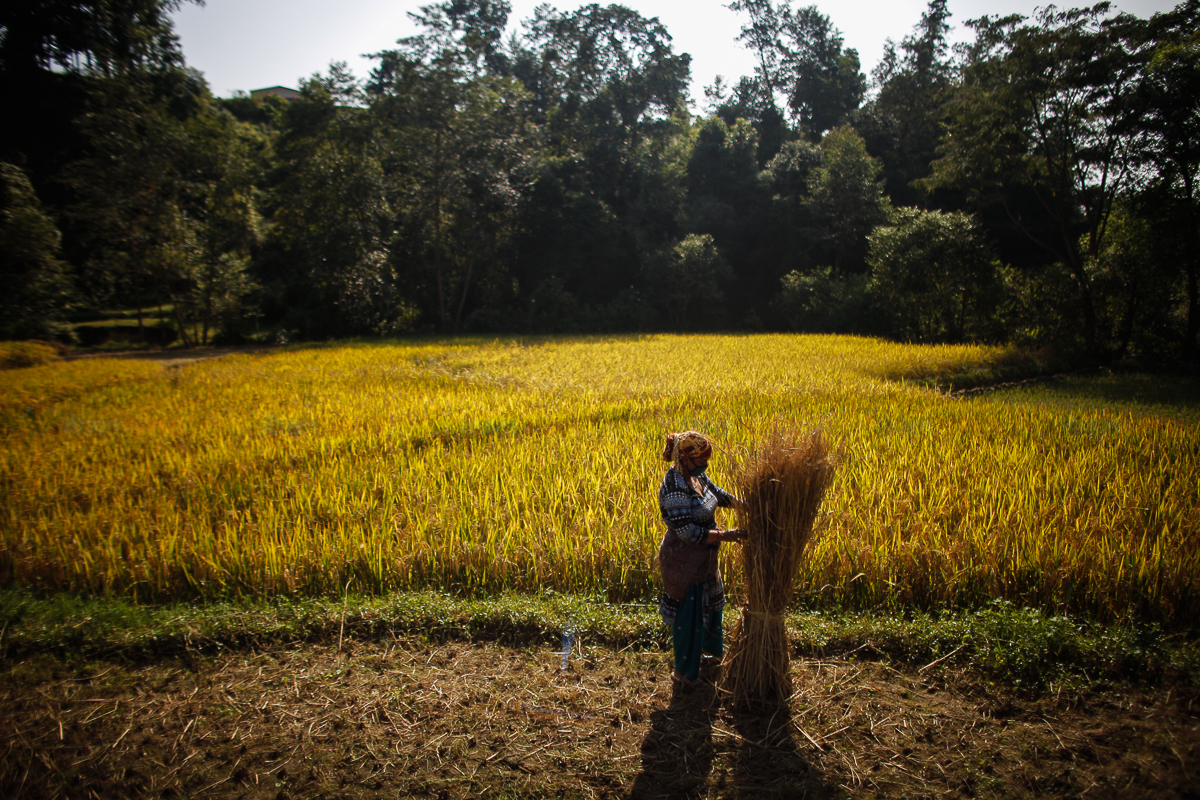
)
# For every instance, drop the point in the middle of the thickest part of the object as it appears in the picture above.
(689, 450)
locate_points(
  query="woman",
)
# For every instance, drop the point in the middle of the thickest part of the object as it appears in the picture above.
(695, 594)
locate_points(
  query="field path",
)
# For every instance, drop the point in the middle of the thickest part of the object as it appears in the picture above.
(174, 358)
(477, 720)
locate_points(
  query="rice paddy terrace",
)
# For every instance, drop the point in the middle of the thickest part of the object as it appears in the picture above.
(476, 466)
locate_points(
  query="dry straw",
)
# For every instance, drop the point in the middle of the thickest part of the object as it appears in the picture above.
(781, 486)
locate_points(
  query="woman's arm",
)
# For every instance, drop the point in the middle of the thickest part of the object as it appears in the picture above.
(724, 498)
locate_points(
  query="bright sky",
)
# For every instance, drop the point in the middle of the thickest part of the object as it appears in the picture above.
(253, 44)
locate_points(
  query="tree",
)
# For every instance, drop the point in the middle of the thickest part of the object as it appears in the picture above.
(749, 101)
(127, 195)
(609, 96)
(686, 281)
(463, 153)
(722, 179)
(728, 200)
(77, 35)
(902, 125)
(846, 197)
(164, 205)
(35, 287)
(1163, 114)
(603, 53)
(935, 275)
(800, 55)
(798, 237)
(330, 272)
(223, 215)
(1136, 274)
(1035, 113)
(53, 53)
(817, 301)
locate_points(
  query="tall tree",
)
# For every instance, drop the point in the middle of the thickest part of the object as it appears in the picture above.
(728, 200)
(52, 52)
(722, 179)
(163, 205)
(798, 237)
(128, 194)
(329, 272)
(605, 53)
(463, 36)
(902, 124)
(800, 56)
(101, 36)
(846, 197)
(1035, 112)
(1163, 114)
(462, 149)
(748, 100)
(222, 207)
(611, 95)
(35, 286)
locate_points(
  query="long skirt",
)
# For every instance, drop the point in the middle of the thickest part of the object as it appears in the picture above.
(696, 627)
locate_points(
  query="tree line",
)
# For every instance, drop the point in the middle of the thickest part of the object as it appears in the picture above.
(1036, 185)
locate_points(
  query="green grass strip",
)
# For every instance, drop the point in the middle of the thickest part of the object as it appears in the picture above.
(1018, 646)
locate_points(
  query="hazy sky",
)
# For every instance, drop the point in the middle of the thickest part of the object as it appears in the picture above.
(252, 44)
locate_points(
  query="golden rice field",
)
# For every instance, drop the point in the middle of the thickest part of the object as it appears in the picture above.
(475, 466)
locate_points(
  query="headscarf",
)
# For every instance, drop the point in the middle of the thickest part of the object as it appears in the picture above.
(687, 443)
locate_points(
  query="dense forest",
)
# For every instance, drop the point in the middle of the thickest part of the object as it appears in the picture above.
(1036, 186)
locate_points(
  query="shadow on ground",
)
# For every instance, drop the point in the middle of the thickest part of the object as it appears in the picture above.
(770, 763)
(762, 759)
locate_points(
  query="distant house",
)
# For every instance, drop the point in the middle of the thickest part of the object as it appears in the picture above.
(278, 91)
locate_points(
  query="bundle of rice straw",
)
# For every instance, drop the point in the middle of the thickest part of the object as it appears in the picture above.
(781, 487)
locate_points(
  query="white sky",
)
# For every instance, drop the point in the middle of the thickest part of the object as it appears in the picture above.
(252, 44)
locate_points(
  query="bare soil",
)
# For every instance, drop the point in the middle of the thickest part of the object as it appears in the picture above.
(408, 718)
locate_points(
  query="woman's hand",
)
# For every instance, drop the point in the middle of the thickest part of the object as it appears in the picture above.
(731, 535)
(736, 535)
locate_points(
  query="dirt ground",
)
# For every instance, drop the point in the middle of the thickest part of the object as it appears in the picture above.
(407, 718)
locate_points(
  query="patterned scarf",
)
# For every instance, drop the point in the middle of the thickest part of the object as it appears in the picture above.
(688, 443)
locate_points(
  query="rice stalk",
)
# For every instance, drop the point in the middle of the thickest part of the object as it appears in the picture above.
(781, 486)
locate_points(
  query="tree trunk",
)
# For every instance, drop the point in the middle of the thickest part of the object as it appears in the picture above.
(137, 291)
(1088, 307)
(961, 327)
(1191, 249)
(183, 333)
(1126, 330)
(1193, 295)
(439, 251)
(208, 291)
(1074, 262)
(463, 300)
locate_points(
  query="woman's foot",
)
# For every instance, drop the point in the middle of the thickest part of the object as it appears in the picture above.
(686, 683)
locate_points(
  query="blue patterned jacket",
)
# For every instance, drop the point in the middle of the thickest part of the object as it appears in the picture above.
(687, 514)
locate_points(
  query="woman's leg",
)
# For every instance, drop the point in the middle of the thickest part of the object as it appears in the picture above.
(714, 632)
(687, 635)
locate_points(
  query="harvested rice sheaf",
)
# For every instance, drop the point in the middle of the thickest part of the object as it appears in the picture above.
(781, 486)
